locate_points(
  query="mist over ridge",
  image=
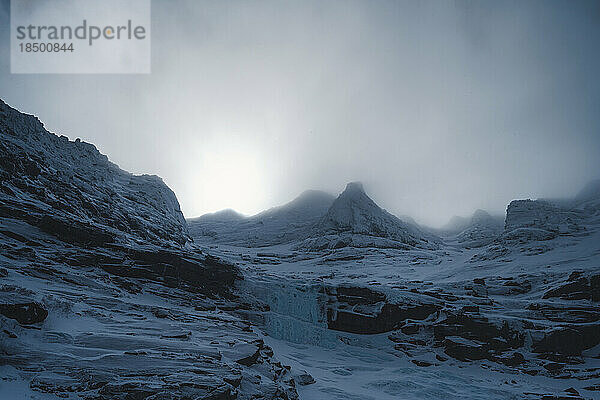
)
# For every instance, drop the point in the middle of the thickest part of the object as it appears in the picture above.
(439, 108)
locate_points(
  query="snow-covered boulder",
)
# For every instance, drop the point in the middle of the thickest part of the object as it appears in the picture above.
(71, 190)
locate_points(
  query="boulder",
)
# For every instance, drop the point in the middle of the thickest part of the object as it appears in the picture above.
(304, 379)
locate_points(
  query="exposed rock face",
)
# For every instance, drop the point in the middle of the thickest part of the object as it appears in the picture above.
(577, 287)
(72, 191)
(530, 220)
(540, 220)
(365, 311)
(25, 313)
(569, 341)
(177, 269)
(478, 338)
(290, 222)
(304, 379)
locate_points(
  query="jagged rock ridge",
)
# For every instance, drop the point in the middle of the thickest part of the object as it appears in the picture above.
(72, 190)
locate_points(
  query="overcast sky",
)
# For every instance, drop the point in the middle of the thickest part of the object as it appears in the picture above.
(439, 107)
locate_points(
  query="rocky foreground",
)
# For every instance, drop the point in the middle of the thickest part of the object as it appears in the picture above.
(102, 295)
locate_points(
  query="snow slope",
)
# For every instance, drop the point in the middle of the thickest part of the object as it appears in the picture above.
(283, 224)
(481, 229)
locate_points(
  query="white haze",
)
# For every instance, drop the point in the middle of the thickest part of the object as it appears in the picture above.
(439, 107)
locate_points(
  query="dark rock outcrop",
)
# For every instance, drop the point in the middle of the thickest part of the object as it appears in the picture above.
(478, 328)
(174, 268)
(577, 287)
(569, 341)
(24, 313)
(365, 311)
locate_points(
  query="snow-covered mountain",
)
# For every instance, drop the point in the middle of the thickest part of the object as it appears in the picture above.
(227, 215)
(314, 220)
(589, 193)
(289, 222)
(455, 225)
(479, 230)
(71, 190)
(355, 220)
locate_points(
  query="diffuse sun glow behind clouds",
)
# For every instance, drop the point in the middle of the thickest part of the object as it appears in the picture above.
(234, 169)
(439, 107)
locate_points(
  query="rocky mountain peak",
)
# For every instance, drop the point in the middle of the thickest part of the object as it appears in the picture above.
(483, 218)
(354, 188)
(354, 212)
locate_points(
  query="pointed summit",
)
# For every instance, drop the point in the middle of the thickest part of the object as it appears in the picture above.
(354, 187)
(353, 212)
